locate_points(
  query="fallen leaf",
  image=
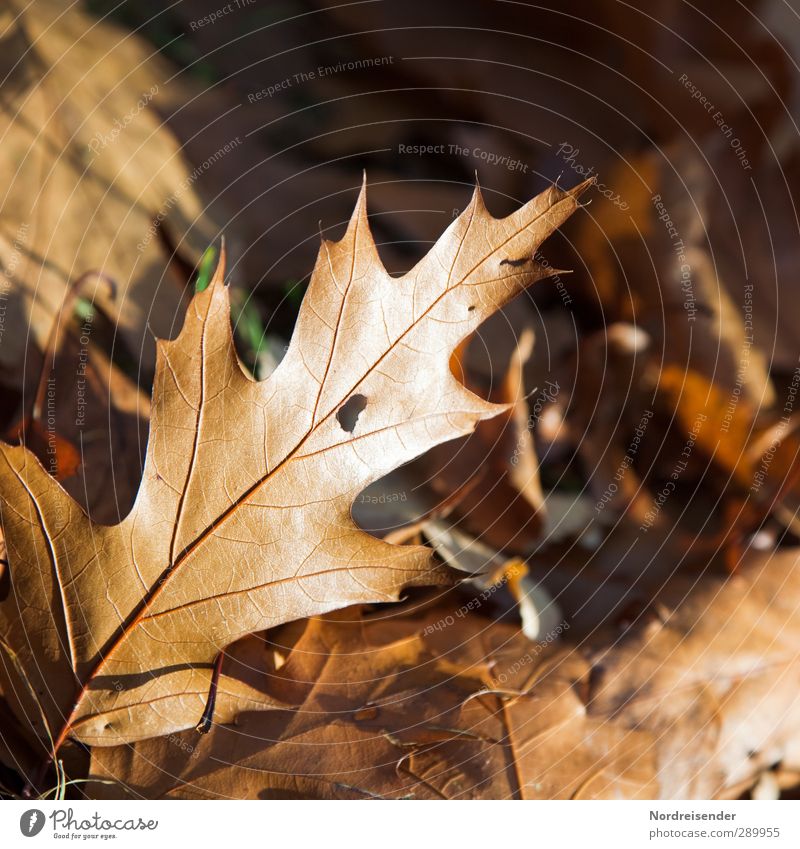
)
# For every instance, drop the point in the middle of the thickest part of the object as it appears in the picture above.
(87, 421)
(504, 506)
(93, 179)
(694, 703)
(385, 710)
(242, 521)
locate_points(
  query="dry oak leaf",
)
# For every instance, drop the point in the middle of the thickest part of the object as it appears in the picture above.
(506, 507)
(695, 700)
(242, 521)
(387, 707)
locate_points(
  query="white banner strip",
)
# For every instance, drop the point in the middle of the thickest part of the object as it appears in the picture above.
(401, 825)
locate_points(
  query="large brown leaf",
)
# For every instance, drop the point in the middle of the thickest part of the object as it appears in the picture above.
(695, 700)
(242, 521)
(387, 706)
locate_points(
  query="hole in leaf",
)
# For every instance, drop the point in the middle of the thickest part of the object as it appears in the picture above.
(348, 413)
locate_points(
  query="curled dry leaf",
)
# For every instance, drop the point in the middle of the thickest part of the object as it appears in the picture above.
(496, 466)
(242, 521)
(87, 421)
(695, 702)
(386, 708)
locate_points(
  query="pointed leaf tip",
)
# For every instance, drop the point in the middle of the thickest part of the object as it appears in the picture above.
(219, 273)
(207, 273)
(577, 191)
(361, 203)
(476, 203)
(359, 215)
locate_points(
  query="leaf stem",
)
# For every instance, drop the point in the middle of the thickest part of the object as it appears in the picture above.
(206, 721)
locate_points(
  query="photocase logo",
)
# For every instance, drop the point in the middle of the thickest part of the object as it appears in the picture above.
(31, 822)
